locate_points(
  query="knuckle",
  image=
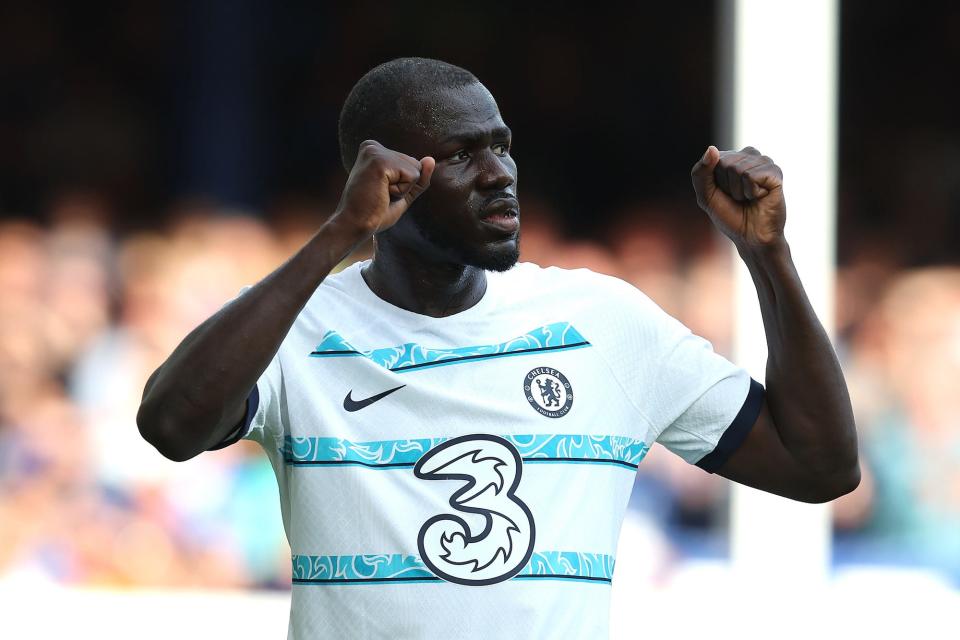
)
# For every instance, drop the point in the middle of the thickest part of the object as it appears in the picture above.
(366, 152)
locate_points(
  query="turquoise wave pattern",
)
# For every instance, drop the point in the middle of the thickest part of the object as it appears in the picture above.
(391, 454)
(411, 356)
(367, 569)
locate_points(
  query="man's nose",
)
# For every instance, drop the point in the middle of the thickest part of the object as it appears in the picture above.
(495, 174)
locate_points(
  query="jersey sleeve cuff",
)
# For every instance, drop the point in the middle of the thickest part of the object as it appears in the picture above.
(253, 403)
(738, 430)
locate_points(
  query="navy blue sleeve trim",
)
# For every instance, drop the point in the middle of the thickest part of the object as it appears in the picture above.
(738, 430)
(253, 403)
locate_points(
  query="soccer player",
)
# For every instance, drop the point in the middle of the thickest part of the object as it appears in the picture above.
(455, 435)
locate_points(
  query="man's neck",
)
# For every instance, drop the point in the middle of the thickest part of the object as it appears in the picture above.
(435, 289)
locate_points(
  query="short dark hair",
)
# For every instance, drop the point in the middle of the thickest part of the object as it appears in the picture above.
(388, 96)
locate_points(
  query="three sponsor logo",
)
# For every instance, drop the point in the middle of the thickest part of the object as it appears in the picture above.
(491, 469)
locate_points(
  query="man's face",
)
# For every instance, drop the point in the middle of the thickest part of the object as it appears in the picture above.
(469, 214)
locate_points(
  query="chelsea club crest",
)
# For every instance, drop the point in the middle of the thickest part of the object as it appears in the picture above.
(548, 391)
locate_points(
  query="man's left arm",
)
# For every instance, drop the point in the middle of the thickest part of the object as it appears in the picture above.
(803, 444)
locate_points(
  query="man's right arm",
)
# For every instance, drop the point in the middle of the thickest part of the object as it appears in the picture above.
(197, 397)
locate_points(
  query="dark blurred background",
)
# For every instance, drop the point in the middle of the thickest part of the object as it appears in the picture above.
(146, 104)
(149, 103)
(156, 156)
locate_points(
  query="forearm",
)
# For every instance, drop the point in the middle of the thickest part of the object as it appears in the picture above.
(196, 397)
(806, 392)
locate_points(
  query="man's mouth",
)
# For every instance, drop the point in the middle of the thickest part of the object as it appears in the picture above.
(502, 213)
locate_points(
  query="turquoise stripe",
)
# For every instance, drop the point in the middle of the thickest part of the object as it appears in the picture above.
(558, 335)
(444, 363)
(399, 453)
(556, 565)
(569, 564)
(358, 567)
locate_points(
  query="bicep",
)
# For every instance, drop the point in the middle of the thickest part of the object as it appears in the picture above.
(763, 462)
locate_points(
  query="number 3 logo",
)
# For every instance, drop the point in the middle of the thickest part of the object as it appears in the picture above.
(491, 467)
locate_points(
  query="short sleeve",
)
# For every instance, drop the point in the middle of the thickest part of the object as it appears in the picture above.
(699, 404)
(262, 408)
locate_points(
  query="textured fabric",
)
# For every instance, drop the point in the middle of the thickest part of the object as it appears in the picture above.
(467, 476)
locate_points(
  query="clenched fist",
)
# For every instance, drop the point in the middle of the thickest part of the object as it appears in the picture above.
(742, 192)
(381, 186)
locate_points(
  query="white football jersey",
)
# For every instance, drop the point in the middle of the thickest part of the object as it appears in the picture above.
(467, 476)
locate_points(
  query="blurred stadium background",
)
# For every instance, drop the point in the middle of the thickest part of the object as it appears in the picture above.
(155, 157)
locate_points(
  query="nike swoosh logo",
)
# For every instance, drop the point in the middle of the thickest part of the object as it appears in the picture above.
(355, 405)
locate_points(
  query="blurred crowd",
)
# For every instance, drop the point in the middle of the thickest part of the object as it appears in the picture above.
(86, 315)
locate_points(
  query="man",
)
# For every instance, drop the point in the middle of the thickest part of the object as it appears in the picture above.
(428, 488)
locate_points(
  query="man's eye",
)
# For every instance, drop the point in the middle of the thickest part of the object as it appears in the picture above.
(463, 154)
(501, 149)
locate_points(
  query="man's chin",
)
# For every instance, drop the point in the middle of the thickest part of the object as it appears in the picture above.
(489, 256)
(496, 259)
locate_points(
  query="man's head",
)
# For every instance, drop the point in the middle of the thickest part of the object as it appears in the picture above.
(423, 107)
